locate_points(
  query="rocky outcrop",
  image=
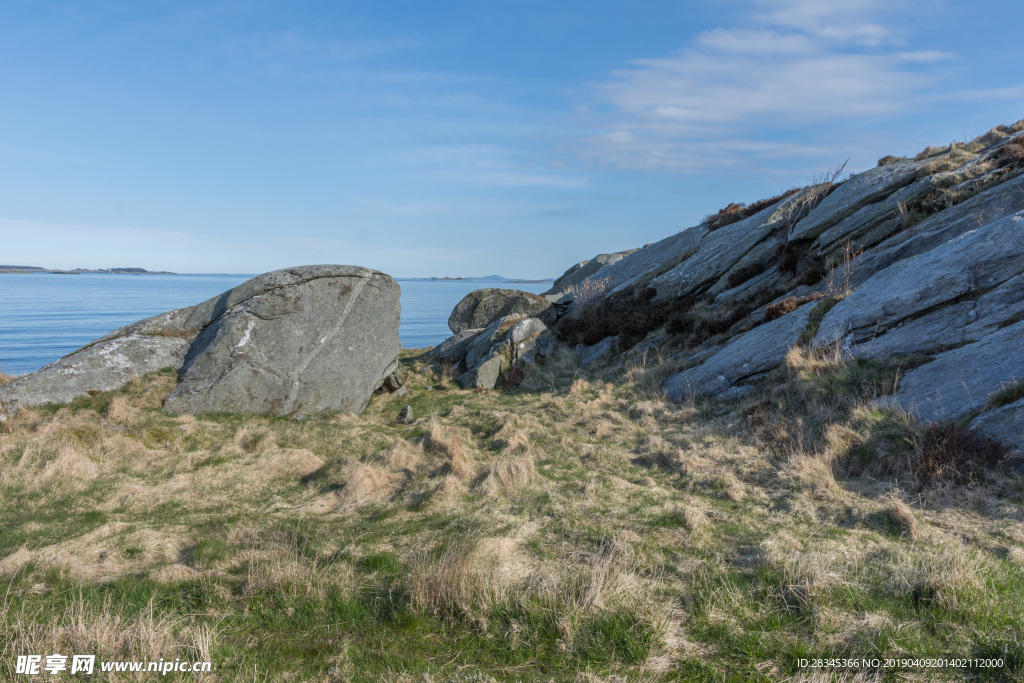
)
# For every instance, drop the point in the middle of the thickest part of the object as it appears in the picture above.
(960, 381)
(853, 194)
(920, 257)
(486, 356)
(721, 249)
(291, 342)
(1004, 424)
(480, 308)
(962, 269)
(501, 345)
(584, 270)
(745, 356)
(642, 265)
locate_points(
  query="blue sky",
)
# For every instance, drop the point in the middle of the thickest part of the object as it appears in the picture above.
(457, 138)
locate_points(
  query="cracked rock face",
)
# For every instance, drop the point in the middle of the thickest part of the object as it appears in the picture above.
(321, 340)
(296, 341)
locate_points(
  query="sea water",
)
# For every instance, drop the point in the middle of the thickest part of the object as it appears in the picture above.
(44, 316)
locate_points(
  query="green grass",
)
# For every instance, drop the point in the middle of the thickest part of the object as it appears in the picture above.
(597, 563)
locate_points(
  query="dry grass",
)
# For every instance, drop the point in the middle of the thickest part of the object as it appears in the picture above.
(446, 442)
(106, 631)
(629, 532)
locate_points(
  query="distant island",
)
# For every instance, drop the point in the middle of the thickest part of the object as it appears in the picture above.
(491, 278)
(78, 271)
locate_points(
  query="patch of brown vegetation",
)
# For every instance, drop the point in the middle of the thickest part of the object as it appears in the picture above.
(950, 452)
(788, 305)
(736, 212)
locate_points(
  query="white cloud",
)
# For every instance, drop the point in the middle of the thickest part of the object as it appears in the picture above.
(785, 71)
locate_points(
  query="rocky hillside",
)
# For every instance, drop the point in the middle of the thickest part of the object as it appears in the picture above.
(918, 259)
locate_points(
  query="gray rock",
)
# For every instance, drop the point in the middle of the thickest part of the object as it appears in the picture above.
(506, 333)
(529, 350)
(991, 205)
(299, 341)
(958, 323)
(482, 346)
(525, 329)
(104, 365)
(178, 338)
(486, 375)
(584, 270)
(767, 280)
(509, 339)
(405, 416)
(751, 353)
(862, 189)
(589, 355)
(961, 380)
(878, 219)
(721, 249)
(455, 347)
(480, 308)
(394, 381)
(652, 260)
(1005, 424)
(971, 263)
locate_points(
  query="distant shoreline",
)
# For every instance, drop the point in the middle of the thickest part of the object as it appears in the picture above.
(30, 270)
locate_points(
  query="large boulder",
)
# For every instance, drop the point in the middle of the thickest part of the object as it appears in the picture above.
(295, 342)
(482, 307)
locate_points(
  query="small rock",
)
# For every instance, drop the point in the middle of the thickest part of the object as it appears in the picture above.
(405, 416)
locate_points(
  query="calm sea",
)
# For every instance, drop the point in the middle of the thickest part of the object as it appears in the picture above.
(44, 316)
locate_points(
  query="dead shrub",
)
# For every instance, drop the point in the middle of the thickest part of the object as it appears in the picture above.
(788, 305)
(1011, 154)
(949, 452)
(736, 212)
(890, 159)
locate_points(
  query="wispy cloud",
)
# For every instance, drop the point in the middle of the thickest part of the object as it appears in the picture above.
(741, 92)
(491, 165)
(298, 43)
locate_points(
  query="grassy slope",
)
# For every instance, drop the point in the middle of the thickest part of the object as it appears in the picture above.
(574, 531)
